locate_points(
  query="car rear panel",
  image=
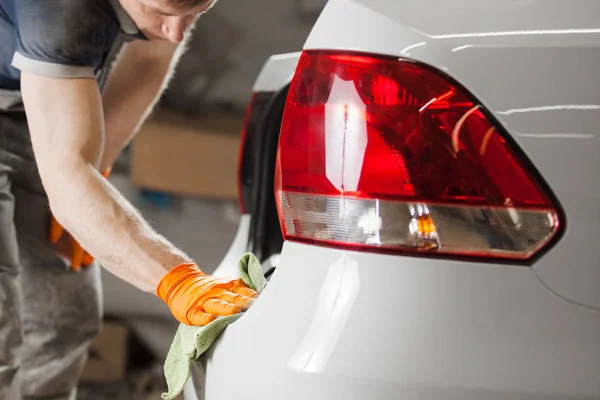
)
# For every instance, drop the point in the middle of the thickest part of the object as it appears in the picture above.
(337, 324)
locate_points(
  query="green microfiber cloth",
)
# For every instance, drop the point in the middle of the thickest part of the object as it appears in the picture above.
(190, 342)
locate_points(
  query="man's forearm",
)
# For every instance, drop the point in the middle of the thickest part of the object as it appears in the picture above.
(135, 83)
(122, 241)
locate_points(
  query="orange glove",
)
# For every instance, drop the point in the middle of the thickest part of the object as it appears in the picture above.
(197, 299)
(67, 246)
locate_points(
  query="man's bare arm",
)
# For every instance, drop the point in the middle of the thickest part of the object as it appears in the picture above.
(135, 83)
(65, 118)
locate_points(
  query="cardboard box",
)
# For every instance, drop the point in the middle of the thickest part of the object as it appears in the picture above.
(187, 156)
(107, 355)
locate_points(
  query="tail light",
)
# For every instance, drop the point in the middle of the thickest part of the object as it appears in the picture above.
(379, 153)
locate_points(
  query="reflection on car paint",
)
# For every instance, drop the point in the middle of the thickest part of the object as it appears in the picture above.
(336, 300)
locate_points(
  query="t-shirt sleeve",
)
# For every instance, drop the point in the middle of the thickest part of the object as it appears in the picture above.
(63, 39)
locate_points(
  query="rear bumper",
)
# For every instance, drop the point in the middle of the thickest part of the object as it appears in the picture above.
(335, 324)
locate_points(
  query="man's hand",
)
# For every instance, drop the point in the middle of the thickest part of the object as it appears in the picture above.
(63, 243)
(197, 299)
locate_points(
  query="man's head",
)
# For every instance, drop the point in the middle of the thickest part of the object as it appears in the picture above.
(165, 19)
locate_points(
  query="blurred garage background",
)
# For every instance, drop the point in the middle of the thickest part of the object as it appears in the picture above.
(181, 172)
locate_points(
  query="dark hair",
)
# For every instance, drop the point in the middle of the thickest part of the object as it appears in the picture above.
(182, 4)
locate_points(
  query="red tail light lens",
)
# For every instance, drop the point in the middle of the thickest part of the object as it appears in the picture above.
(379, 153)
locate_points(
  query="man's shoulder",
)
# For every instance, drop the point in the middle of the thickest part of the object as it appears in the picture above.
(65, 21)
(64, 38)
(58, 9)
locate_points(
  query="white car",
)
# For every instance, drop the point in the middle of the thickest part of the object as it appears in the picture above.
(434, 168)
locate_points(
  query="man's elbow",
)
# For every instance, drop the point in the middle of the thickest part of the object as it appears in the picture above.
(59, 208)
(63, 186)
(59, 195)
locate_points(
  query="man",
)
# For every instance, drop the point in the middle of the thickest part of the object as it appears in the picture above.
(61, 128)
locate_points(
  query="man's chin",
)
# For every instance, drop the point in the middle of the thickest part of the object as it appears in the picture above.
(151, 36)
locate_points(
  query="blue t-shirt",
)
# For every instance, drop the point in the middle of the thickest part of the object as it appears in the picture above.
(59, 38)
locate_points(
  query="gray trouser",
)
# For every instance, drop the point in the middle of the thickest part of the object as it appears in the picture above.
(48, 314)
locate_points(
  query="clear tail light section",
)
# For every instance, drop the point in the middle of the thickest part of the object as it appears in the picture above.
(384, 154)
